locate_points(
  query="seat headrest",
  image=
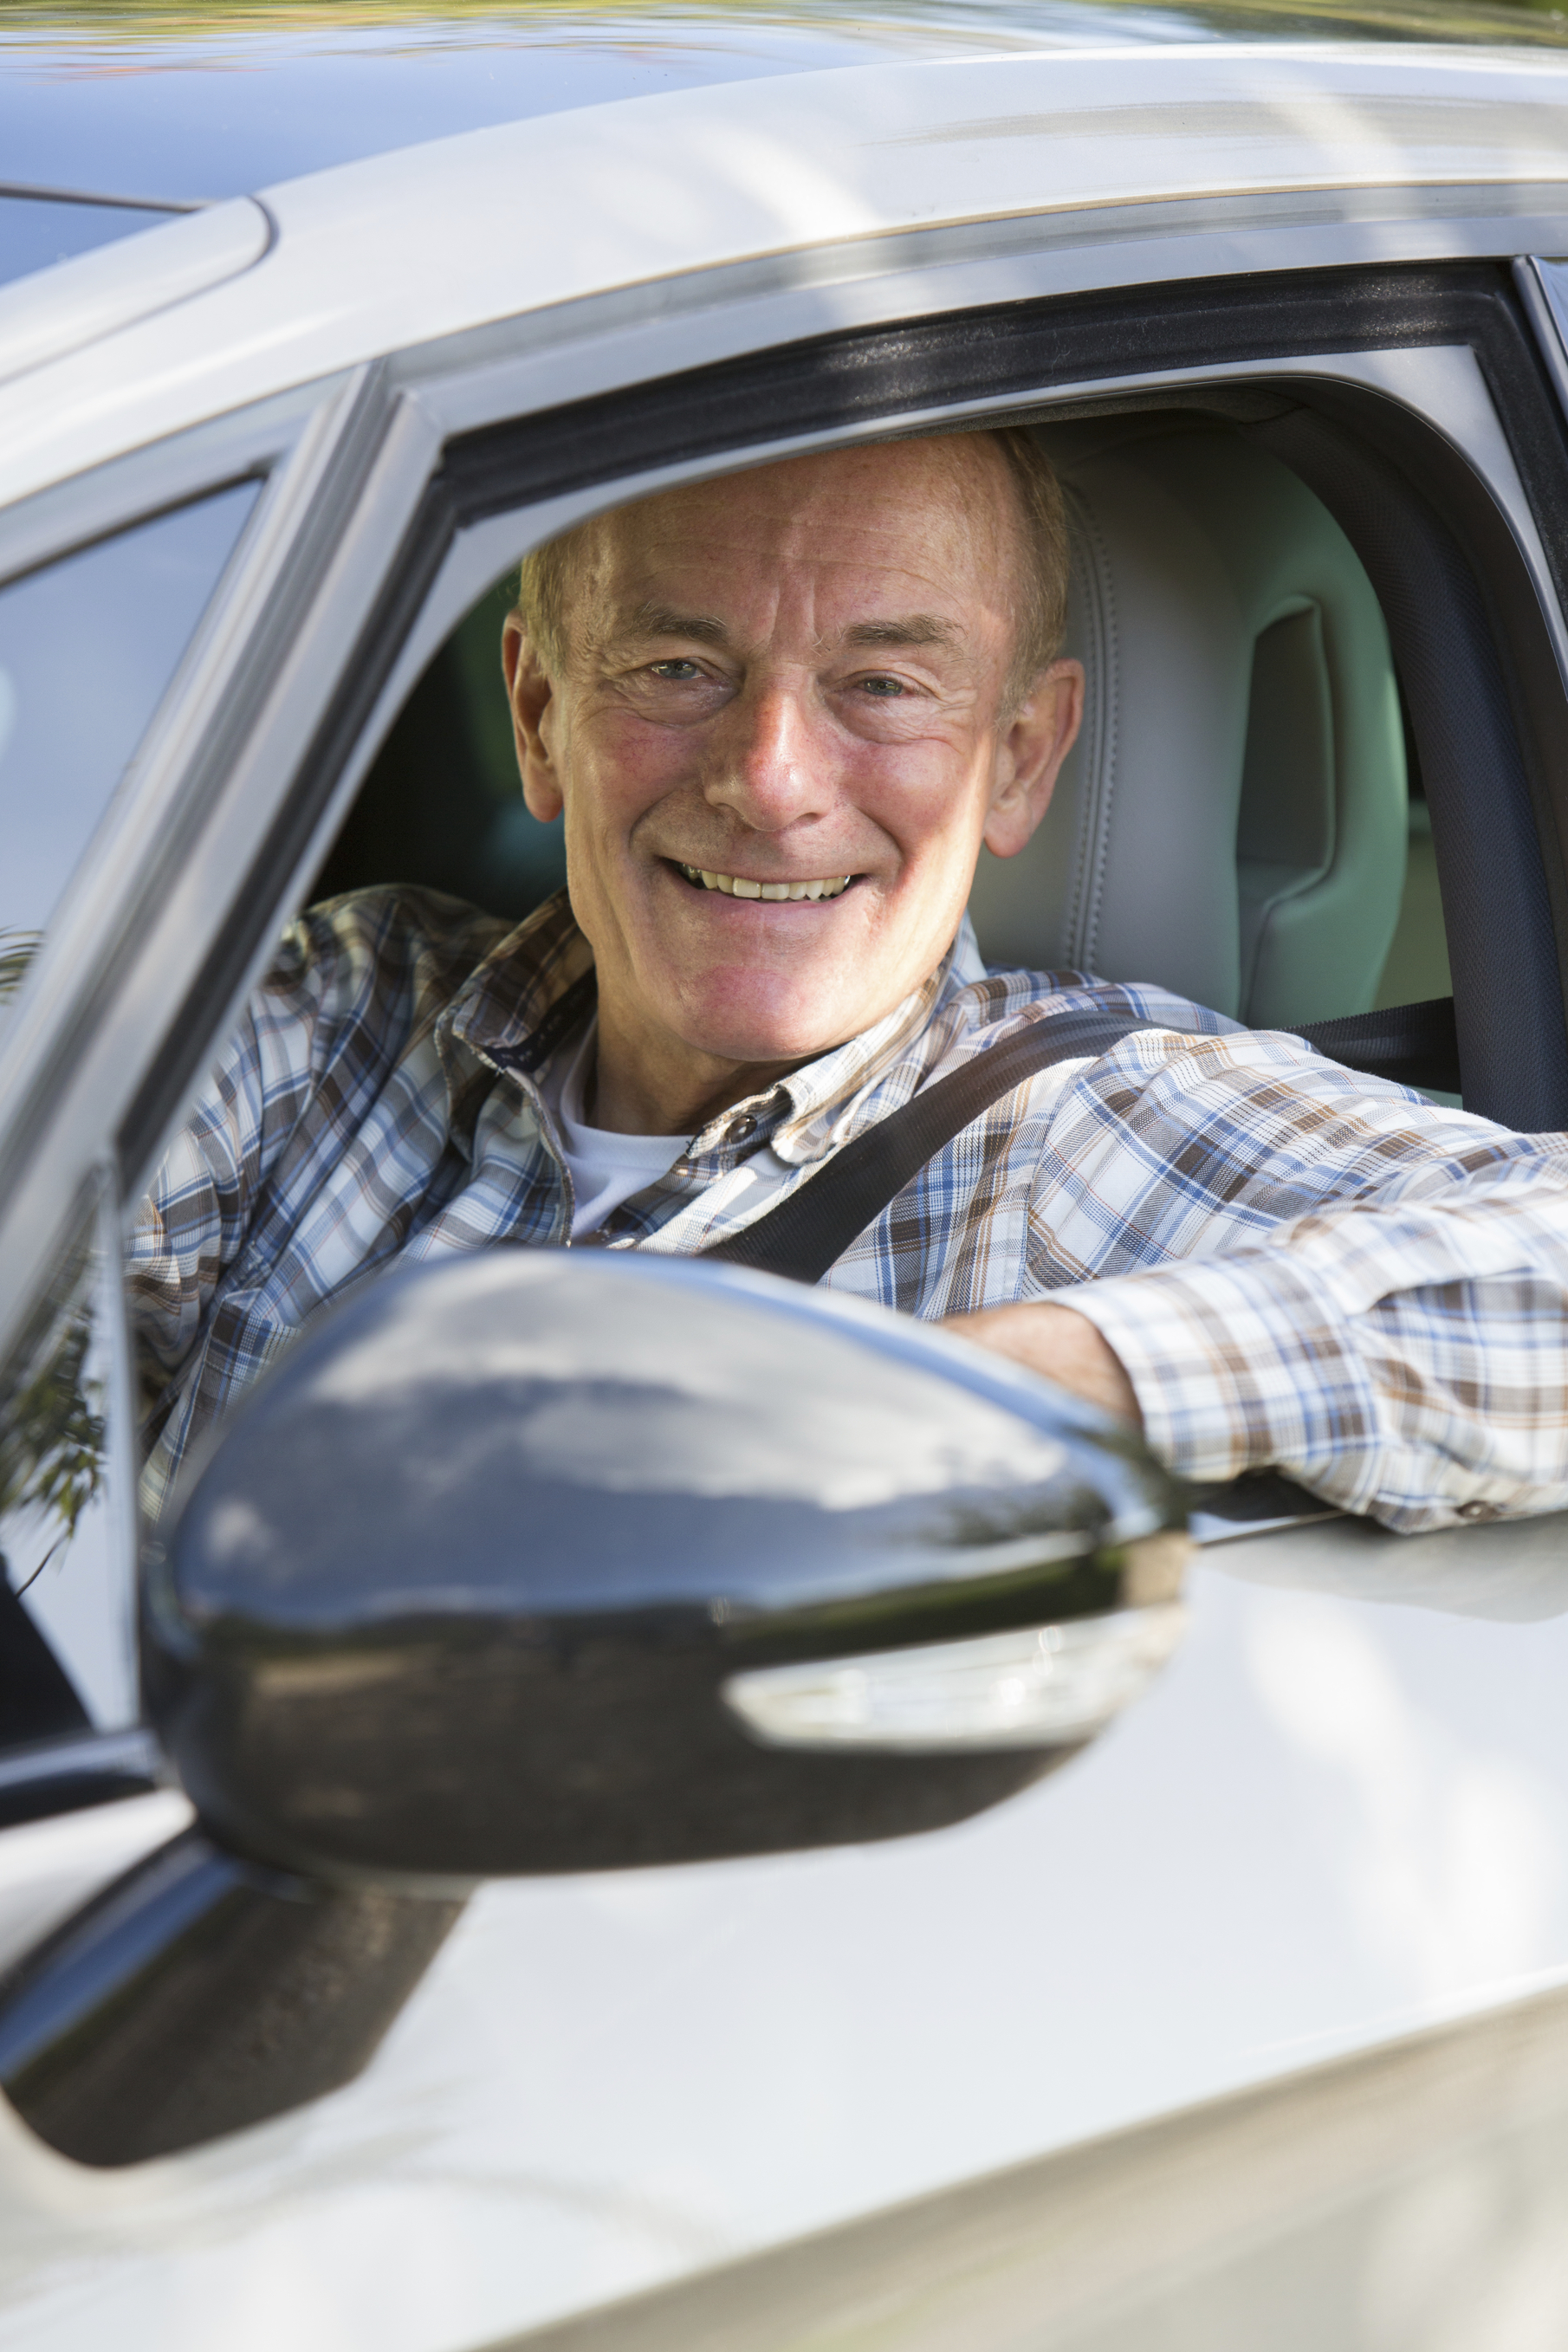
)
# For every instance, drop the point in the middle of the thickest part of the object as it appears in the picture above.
(1232, 822)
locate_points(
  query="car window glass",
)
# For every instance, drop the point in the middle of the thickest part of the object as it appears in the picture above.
(87, 647)
(37, 231)
(67, 1565)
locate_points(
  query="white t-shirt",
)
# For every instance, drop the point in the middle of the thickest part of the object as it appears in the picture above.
(607, 1169)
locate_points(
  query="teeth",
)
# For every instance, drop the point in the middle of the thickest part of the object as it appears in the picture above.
(736, 886)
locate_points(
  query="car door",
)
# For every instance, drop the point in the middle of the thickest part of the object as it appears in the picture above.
(1331, 1827)
(120, 588)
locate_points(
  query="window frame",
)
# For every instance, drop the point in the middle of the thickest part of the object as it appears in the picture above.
(378, 525)
(133, 926)
(1419, 363)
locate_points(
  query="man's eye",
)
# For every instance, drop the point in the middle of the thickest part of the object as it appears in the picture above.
(677, 671)
(887, 688)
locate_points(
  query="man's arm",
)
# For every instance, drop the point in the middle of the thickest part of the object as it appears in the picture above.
(353, 982)
(1063, 1345)
(195, 1216)
(1401, 1349)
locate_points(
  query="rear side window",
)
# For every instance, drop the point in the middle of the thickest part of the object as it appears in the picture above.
(88, 646)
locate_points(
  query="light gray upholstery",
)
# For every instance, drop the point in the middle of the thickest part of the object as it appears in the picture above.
(1233, 821)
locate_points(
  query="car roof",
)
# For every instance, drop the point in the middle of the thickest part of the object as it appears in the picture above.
(183, 105)
(809, 196)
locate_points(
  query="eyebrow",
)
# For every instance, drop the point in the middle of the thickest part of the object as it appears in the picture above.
(651, 620)
(663, 621)
(909, 629)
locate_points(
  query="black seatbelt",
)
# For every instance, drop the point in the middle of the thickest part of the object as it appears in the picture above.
(812, 1227)
(1416, 1044)
(803, 1236)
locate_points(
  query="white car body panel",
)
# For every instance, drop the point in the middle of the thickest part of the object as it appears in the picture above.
(434, 241)
(1331, 1823)
(82, 301)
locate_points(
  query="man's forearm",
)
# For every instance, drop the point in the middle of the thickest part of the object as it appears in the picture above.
(1408, 1361)
(1055, 1342)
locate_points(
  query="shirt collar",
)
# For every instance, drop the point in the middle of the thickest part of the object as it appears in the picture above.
(531, 994)
(846, 1089)
(528, 996)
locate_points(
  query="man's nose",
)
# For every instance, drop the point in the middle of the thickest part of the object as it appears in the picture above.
(765, 773)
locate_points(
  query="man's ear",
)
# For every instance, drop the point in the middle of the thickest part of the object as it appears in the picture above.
(529, 691)
(1029, 755)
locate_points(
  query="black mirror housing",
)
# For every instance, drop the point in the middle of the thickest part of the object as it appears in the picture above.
(506, 1569)
(539, 1562)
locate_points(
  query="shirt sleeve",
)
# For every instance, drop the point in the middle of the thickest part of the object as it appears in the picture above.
(356, 985)
(196, 1215)
(1402, 1347)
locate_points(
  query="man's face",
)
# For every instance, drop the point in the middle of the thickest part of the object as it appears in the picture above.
(791, 679)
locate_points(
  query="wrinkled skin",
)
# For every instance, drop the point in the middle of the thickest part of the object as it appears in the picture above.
(792, 674)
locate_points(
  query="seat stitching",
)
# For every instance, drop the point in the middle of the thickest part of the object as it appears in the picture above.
(1094, 845)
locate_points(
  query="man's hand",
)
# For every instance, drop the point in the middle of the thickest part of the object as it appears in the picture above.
(1066, 1347)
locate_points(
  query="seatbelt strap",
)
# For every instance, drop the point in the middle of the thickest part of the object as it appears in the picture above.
(813, 1226)
(1415, 1044)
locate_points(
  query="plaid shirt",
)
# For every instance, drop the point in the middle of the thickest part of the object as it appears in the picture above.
(1297, 1267)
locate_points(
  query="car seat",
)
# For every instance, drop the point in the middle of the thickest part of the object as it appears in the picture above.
(441, 804)
(1233, 821)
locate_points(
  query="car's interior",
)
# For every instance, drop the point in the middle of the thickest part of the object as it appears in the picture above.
(1240, 821)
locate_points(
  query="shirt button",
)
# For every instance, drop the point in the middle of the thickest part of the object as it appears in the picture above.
(682, 1168)
(742, 1127)
(1478, 1511)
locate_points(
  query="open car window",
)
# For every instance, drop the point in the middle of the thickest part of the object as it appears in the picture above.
(1293, 689)
(442, 807)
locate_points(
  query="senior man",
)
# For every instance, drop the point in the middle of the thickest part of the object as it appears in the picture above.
(781, 712)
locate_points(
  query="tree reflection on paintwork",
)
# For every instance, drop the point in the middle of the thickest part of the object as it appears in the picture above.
(51, 1422)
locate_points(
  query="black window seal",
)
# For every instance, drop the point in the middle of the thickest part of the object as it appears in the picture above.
(22, 192)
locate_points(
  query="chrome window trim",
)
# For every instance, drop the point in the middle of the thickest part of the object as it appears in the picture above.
(1512, 1572)
(1543, 301)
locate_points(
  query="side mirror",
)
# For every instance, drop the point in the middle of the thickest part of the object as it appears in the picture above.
(537, 1562)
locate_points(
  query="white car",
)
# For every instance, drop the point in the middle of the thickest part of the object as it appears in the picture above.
(499, 1988)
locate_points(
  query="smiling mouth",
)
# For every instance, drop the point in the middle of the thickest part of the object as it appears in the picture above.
(738, 886)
